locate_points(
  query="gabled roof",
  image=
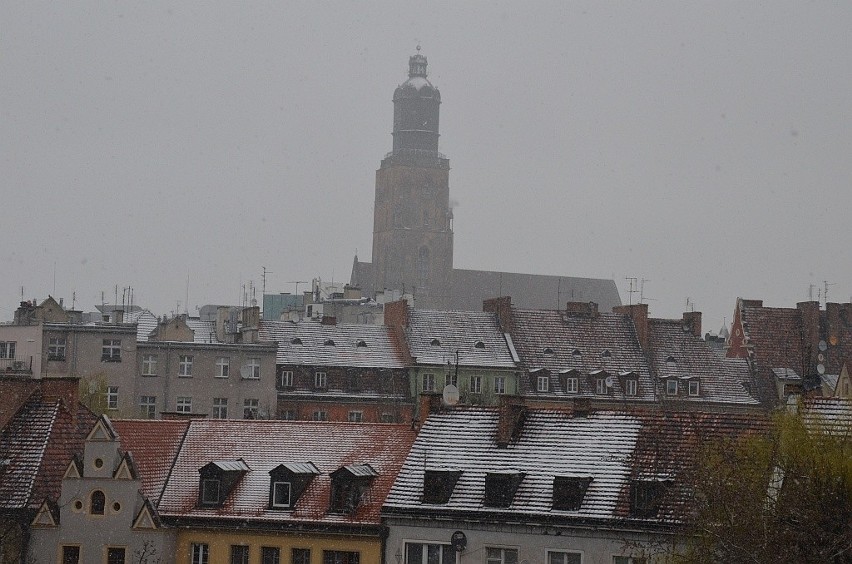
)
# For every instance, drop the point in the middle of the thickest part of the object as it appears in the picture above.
(720, 381)
(559, 342)
(833, 415)
(475, 335)
(354, 345)
(263, 446)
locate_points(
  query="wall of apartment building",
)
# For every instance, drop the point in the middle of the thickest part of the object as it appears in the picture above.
(364, 409)
(206, 379)
(27, 344)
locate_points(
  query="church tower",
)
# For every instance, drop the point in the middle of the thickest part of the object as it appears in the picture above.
(412, 221)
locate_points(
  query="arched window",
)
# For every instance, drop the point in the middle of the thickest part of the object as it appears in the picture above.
(97, 503)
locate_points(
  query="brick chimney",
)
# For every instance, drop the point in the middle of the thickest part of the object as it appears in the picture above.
(810, 332)
(639, 314)
(502, 306)
(584, 309)
(118, 316)
(429, 402)
(751, 303)
(692, 322)
(396, 314)
(512, 413)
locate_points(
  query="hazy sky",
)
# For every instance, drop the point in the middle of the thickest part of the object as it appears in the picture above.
(706, 147)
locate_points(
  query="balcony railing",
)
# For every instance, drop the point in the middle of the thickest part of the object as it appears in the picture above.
(16, 365)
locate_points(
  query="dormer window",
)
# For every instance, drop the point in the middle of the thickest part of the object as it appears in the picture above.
(543, 383)
(438, 485)
(569, 491)
(295, 341)
(218, 478)
(576, 353)
(500, 488)
(328, 342)
(361, 344)
(646, 497)
(631, 387)
(479, 345)
(606, 354)
(287, 482)
(694, 388)
(348, 486)
(671, 387)
(435, 342)
(570, 380)
(548, 351)
(671, 363)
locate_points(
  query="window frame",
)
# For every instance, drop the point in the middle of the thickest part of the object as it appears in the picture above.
(8, 349)
(253, 364)
(500, 385)
(251, 406)
(321, 380)
(289, 502)
(270, 555)
(199, 553)
(220, 408)
(183, 404)
(476, 384)
(562, 552)
(148, 407)
(57, 348)
(223, 367)
(428, 382)
(240, 554)
(70, 547)
(319, 415)
(149, 364)
(97, 507)
(443, 548)
(600, 386)
(111, 398)
(110, 350)
(572, 385)
(123, 550)
(285, 379)
(631, 387)
(300, 555)
(697, 385)
(206, 500)
(185, 366)
(543, 384)
(501, 559)
(671, 387)
(356, 416)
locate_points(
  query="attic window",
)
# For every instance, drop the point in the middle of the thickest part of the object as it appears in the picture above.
(288, 481)
(210, 491)
(438, 485)
(435, 343)
(361, 344)
(329, 342)
(295, 341)
(569, 491)
(606, 354)
(479, 345)
(548, 351)
(218, 478)
(349, 484)
(671, 362)
(646, 497)
(694, 387)
(671, 387)
(500, 488)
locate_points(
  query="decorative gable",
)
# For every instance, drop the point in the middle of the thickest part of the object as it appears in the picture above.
(349, 484)
(217, 479)
(126, 469)
(287, 482)
(147, 518)
(74, 470)
(102, 431)
(47, 515)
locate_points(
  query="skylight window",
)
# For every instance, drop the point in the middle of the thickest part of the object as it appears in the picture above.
(671, 362)
(576, 352)
(606, 353)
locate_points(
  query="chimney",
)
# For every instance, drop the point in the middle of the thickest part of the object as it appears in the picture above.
(639, 314)
(582, 309)
(751, 303)
(430, 402)
(692, 322)
(582, 407)
(118, 316)
(396, 314)
(512, 413)
(502, 306)
(328, 320)
(837, 316)
(810, 334)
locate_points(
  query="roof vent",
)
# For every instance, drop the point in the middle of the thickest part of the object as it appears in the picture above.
(548, 351)
(435, 343)
(295, 341)
(479, 345)
(361, 344)
(329, 342)
(576, 352)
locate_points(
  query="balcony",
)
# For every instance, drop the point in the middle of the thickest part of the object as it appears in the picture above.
(16, 366)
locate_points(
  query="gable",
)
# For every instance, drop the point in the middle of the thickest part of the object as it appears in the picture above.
(126, 469)
(145, 520)
(74, 470)
(102, 431)
(45, 517)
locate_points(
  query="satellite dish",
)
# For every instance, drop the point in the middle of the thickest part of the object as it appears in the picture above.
(451, 395)
(245, 371)
(821, 369)
(609, 381)
(822, 346)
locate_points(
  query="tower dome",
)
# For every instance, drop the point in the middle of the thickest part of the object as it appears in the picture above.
(415, 110)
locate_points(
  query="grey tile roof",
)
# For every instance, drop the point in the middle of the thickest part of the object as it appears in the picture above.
(559, 342)
(379, 349)
(720, 381)
(475, 335)
(834, 415)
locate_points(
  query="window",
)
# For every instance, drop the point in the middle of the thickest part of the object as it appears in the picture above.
(600, 386)
(438, 485)
(562, 557)
(115, 555)
(571, 385)
(281, 494)
(253, 365)
(356, 416)
(500, 488)
(452, 379)
(340, 557)
(387, 418)
(251, 408)
(301, 555)
(320, 416)
(285, 379)
(320, 380)
(501, 555)
(428, 382)
(223, 367)
(239, 554)
(112, 397)
(671, 387)
(569, 491)
(70, 555)
(632, 387)
(56, 348)
(417, 553)
(97, 503)
(111, 350)
(148, 407)
(220, 408)
(628, 560)
(210, 492)
(149, 365)
(646, 497)
(693, 387)
(184, 405)
(185, 365)
(476, 384)
(288, 415)
(200, 553)
(543, 383)
(499, 385)
(435, 342)
(270, 555)
(7, 349)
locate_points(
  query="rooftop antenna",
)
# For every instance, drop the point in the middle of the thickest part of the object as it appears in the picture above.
(297, 282)
(810, 292)
(825, 295)
(265, 272)
(73, 299)
(186, 303)
(54, 278)
(632, 280)
(690, 305)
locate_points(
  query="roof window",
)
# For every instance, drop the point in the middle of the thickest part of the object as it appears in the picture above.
(646, 497)
(348, 486)
(671, 362)
(435, 343)
(500, 488)
(694, 387)
(287, 482)
(479, 345)
(438, 485)
(218, 478)
(569, 491)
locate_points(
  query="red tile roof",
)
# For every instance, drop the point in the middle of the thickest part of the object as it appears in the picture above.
(154, 445)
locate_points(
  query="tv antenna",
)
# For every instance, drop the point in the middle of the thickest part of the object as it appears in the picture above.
(263, 278)
(632, 280)
(297, 282)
